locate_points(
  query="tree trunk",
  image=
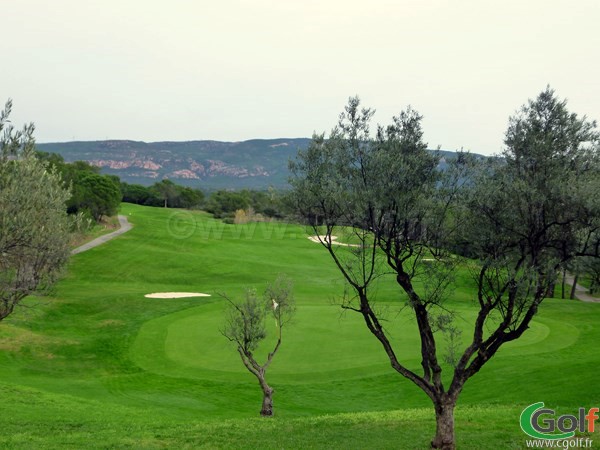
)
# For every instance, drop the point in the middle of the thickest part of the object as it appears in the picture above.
(444, 433)
(550, 291)
(267, 403)
(564, 276)
(575, 279)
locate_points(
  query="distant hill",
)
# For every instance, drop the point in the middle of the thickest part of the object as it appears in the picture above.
(256, 164)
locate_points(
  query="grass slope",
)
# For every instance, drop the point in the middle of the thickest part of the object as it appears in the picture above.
(99, 365)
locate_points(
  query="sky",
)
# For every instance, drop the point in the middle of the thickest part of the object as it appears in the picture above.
(233, 70)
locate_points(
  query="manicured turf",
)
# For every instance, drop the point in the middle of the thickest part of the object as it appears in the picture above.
(98, 365)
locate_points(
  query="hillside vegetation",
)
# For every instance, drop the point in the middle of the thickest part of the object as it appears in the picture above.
(256, 164)
(253, 164)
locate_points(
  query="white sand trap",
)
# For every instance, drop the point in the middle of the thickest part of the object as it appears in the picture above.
(176, 295)
(325, 238)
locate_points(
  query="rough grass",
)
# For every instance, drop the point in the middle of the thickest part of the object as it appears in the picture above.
(100, 366)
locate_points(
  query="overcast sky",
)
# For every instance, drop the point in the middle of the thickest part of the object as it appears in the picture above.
(234, 70)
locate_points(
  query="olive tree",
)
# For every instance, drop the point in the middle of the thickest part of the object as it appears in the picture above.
(166, 190)
(95, 194)
(34, 230)
(245, 326)
(406, 214)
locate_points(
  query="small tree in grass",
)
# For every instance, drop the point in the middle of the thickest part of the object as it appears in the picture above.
(166, 190)
(245, 326)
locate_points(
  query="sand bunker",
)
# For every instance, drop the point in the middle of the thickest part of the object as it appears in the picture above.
(325, 238)
(176, 295)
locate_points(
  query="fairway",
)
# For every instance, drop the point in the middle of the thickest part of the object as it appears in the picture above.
(99, 365)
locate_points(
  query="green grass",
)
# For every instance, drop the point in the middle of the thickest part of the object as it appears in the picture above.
(98, 365)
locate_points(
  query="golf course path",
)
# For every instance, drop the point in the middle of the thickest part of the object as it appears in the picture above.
(125, 227)
(581, 292)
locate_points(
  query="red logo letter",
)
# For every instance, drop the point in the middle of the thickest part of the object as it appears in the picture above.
(591, 416)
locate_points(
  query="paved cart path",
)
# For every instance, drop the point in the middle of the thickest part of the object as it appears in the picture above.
(581, 292)
(125, 227)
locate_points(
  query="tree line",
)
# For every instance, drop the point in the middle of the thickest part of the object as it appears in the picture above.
(96, 195)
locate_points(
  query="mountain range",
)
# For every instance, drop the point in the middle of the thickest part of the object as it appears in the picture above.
(208, 165)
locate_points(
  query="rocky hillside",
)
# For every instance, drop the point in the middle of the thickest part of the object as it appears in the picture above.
(257, 163)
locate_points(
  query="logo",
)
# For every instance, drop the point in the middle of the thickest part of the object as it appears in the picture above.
(181, 224)
(539, 422)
